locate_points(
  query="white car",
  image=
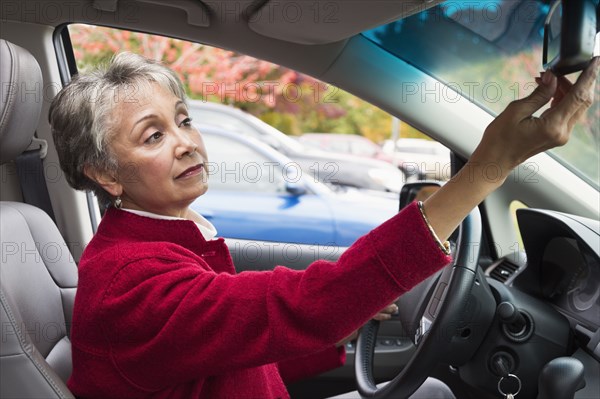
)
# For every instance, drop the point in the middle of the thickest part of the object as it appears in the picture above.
(341, 171)
(430, 158)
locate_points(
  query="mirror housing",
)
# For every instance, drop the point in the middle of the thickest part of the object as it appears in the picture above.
(569, 36)
(419, 191)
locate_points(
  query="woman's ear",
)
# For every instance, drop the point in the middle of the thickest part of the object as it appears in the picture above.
(104, 179)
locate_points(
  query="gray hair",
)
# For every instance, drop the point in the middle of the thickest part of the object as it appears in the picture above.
(81, 115)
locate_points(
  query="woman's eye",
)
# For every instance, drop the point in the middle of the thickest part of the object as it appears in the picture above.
(186, 122)
(154, 137)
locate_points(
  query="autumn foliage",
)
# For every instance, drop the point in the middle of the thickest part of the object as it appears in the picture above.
(291, 101)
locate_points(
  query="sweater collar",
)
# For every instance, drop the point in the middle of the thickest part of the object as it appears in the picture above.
(119, 225)
(207, 229)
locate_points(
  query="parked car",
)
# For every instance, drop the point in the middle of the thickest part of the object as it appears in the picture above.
(345, 144)
(356, 145)
(447, 68)
(336, 169)
(256, 193)
(430, 158)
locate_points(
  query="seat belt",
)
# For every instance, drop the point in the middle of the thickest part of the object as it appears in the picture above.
(30, 171)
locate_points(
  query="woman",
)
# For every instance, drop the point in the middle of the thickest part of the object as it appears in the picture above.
(160, 311)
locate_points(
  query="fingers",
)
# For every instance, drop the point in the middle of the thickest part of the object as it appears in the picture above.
(386, 313)
(564, 85)
(525, 107)
(578, 97)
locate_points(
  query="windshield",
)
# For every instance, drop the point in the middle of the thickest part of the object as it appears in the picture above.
(489, 51)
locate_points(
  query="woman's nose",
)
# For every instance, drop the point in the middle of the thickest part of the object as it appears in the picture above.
(185, 145)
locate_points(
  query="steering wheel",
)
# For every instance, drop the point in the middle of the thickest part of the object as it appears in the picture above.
(438, 322)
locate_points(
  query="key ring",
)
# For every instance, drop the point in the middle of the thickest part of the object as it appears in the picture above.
(507, 377)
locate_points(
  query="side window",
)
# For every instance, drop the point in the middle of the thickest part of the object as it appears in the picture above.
(221, 119)
(274, 103)
(290, 101)
(234, 166)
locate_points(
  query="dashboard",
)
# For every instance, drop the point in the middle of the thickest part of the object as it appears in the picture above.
(555, 286)
(563, 267)
(570, 279)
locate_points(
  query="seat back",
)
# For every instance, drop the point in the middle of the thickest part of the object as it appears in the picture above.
(38, 276)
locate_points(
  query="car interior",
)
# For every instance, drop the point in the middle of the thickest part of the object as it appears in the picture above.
(518, 310)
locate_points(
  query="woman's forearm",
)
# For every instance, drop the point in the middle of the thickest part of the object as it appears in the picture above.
(452, 203)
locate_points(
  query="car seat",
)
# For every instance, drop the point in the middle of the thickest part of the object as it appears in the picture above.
(38, 276)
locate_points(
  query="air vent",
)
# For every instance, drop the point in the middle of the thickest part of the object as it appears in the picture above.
(503, 271)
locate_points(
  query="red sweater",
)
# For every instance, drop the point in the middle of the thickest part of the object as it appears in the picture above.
(160, 312)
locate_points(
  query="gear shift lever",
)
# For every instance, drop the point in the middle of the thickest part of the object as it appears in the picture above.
(561, 378)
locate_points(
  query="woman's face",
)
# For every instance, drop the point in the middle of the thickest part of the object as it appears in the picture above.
(161, 156)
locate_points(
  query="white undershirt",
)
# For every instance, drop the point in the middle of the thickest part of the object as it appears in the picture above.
(206, 228)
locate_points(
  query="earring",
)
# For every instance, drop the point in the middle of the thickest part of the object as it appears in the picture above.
(118, 202)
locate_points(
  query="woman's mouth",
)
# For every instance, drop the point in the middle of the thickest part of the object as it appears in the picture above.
(194, 170)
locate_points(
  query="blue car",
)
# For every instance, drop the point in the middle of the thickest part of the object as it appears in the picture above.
(256, 193)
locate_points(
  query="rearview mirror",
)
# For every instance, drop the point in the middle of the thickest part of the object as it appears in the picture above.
(569, 35)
